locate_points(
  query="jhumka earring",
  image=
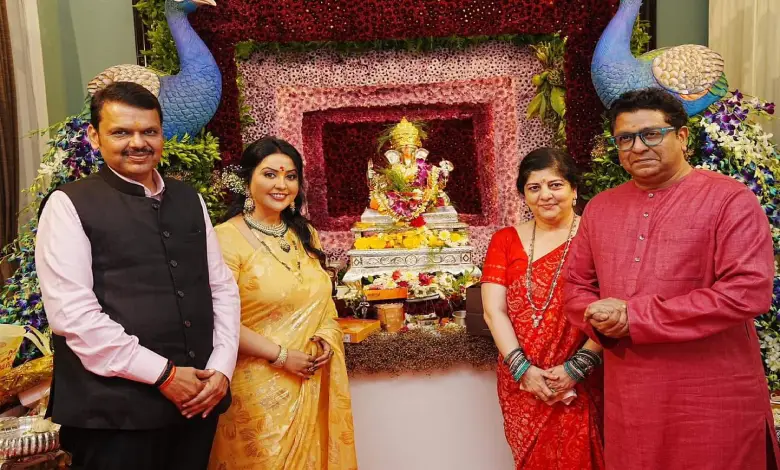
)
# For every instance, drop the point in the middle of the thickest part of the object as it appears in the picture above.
(574, 202)
(292, 206)
(249, 203)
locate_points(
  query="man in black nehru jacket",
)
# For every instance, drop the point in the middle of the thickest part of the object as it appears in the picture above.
(144, 312)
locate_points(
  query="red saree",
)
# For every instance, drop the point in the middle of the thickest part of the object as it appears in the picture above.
(544, 437)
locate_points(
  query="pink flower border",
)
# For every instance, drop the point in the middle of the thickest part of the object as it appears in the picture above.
(282, 89)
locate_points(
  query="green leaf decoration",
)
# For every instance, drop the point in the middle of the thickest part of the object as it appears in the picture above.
(533, 106)
(557, 100)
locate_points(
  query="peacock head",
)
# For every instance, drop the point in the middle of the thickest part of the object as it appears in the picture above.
(188, 6)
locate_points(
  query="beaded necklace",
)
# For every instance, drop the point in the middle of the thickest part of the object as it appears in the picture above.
(538, 312)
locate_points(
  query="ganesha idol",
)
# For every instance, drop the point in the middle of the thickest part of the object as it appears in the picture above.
(410, 190)
(410, 224)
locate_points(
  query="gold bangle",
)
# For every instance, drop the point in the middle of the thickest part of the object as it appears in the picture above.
(281, 359)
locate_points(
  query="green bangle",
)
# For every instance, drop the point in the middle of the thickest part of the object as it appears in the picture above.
(573, 372)
(521, 370)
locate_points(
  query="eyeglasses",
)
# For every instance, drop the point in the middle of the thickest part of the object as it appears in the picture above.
(649, 137)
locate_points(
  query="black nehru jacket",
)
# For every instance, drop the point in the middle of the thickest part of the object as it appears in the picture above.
(150, 270)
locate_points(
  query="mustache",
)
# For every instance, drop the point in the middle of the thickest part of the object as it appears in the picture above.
(142, 152)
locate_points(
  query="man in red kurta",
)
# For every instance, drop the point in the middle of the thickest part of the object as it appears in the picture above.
(667, 273)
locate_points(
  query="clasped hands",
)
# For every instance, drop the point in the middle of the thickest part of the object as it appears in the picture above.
(303, 365)
(545, 385)
(609, 317)
(196, 391)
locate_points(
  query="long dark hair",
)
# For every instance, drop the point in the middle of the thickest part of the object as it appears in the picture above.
(253, 155)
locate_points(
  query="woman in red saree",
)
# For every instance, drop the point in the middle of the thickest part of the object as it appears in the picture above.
(550, 417)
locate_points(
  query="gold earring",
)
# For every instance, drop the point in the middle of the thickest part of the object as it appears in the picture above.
(292, 206)
(249, 203)
(574, 202)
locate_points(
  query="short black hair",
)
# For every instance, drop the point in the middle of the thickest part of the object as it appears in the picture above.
(653, 99)
(545, 158)
(128, 93)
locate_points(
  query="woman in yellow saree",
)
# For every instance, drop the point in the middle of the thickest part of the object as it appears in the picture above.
(291, 406)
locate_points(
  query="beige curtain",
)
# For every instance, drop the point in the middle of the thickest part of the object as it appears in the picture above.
(747, 34)
(23, 110)
(30, 91)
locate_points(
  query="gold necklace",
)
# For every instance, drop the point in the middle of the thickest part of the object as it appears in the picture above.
(295, 272)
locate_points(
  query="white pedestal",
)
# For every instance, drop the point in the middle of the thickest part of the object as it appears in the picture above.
(449, 420)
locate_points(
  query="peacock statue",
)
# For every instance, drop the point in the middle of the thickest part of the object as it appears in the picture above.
(692, 73)
(188, 99)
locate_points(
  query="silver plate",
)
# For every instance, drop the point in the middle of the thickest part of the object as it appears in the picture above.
(451, 226)
(364, 263)
(439, 216)
(17, 438)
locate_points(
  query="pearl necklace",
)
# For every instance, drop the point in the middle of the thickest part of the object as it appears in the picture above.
(276, 231)
(538, 314)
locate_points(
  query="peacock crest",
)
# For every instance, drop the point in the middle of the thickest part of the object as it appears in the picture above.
(188, 99)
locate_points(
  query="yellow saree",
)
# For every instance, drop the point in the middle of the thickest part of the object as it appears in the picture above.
(279, 421)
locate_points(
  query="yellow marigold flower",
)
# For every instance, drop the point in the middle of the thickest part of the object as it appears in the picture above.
(363, 243)
(456, 237)
(377, 244)
(411, 242)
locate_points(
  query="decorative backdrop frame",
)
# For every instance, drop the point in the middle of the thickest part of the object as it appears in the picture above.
(234, 21)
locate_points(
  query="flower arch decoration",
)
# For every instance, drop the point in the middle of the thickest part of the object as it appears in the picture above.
(234, 21)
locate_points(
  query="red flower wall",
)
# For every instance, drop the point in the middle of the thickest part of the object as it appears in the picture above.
(366, 20)
(347, 137)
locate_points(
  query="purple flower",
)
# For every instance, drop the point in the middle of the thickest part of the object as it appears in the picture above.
(721, 118)
(736, 97)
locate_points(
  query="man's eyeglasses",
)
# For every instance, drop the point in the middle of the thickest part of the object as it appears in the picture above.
(650, 137)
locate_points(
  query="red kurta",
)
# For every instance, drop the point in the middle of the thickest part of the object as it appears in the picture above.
(542, 437)
(694, 261)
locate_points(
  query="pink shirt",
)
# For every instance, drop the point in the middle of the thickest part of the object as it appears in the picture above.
(63, 260)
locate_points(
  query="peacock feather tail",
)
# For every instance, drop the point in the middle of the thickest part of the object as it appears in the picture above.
(692, 73)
